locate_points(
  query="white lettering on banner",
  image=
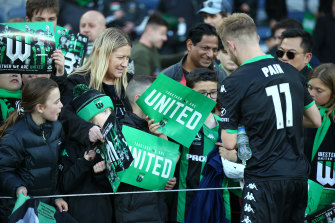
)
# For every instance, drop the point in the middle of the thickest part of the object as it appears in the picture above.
(18, 51)
(160, 166)
(272, 69)
(164, 104)
(327, 179)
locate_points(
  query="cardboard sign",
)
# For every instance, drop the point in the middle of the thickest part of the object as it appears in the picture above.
(26, 48)
(180, 110)
(114, 151)
(73, 46)
(154, 160)
(326, 215)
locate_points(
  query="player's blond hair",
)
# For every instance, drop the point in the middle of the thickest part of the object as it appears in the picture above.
(236, 27)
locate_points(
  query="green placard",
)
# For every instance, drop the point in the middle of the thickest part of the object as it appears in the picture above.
(154, 160)
(314, 194)
(27, 47)
(180, 110)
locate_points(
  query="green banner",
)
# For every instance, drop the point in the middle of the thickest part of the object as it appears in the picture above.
(27, 48)
(314, 194)
(73, 46)
(180, 110)
(154, 160)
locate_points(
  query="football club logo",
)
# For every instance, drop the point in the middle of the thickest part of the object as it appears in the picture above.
(99, 104)
(140, 177)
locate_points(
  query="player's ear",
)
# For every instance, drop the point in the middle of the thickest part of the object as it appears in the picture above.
(231, 44)
(27, 19)
(189, 44)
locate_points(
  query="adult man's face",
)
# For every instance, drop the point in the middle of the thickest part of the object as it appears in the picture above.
(203, 53)
(301, 58)
(158, 36)
(91, 25)
(46, 15)
(213, 19)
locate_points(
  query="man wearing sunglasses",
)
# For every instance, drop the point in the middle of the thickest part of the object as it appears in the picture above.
(295, 48)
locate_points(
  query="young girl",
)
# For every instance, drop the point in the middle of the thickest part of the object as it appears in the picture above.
(30, 142)
(105, 71)
(320, 143)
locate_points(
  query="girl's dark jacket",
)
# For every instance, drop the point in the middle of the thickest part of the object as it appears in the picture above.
(29, 157)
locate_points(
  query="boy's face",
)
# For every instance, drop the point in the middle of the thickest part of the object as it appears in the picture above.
(10, 82)
(45, 15)
(101, 118)
(207, 88)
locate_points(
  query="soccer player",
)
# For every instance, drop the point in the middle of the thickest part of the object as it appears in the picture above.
(270, 99)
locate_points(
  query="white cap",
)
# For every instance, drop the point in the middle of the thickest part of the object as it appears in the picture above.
(216, 6)
(232, 170)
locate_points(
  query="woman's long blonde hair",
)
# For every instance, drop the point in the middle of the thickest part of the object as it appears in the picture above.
(98, 62)
(326, 73)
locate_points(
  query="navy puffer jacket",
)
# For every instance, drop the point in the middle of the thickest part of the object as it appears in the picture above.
(29, 157)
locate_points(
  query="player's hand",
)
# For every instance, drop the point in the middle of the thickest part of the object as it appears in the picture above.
(99, 167)
(95, 134)
(230, 155)
(171, 183)
(59, 59)
(61, 205)
(90, 155)
(22, 190)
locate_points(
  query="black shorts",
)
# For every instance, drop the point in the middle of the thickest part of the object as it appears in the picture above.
(274, 201)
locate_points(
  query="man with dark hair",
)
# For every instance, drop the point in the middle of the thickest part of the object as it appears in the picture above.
(147, 60)
(202, 47)
(271, 100)
(281, 26)
(295, 48)
(214, 11)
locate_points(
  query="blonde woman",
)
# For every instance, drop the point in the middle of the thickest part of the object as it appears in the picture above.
(105, 71)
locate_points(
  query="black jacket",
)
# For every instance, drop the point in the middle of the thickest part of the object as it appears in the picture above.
(78, 177)
(29, 157)
(76, 128)
(148, 207)
(176, 71)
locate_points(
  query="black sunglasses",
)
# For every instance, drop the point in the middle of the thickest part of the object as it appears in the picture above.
(290, 55)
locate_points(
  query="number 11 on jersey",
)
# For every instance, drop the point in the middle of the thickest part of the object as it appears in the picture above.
(274, 93)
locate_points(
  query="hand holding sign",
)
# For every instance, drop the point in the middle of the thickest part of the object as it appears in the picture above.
(179, 110)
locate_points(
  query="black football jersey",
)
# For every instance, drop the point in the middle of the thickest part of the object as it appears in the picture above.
(268, 97)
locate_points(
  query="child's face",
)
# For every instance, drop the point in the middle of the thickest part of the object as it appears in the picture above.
(207, 88)
(101, 118)
(53, 106)
(46, 15)
(319, 91)
(10, 82)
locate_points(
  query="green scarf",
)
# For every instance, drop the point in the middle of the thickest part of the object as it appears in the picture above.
(4, 104)
(321, 132)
